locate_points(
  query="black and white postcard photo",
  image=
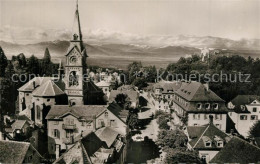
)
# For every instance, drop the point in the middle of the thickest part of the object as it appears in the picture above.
(129, 81)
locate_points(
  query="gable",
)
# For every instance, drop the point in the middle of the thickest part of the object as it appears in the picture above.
(111, 116)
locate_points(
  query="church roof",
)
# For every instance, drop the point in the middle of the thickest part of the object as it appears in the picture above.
(34, 83)
(48, 89)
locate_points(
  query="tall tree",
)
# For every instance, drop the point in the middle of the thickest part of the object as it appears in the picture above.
(47, 56)
(3, 62)
(33, 65)
(176, 156)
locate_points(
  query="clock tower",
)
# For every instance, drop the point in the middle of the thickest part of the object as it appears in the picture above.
(75, 66)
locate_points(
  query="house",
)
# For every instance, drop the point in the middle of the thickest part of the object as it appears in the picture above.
(92, 148)
(18, 127)
(238, 150)
(193, 102)
(66, 122)
(133, 97)
(244, 110)
(105, 86)
(18, 152)
(208, 140)
(162, 94)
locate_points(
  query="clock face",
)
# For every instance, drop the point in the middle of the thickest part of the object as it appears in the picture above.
(73, 59)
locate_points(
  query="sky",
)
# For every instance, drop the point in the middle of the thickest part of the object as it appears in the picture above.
(49, 19)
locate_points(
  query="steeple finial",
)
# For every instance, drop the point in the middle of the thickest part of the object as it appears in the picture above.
(78, 29)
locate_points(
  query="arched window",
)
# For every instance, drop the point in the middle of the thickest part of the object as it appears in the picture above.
(106, 114)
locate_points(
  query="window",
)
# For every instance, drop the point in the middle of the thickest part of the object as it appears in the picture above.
(243, 108)
(159, 106)
(106, 114)
(215, 106)
(218, 126)
(38, 112)
(48, 100)
(71, 121)
(112, 123)
(219, 143)
(218, 116)
(254, 109)
(199, 106)
(243, 117)
(195, 124)
(205, 116)
(207, 144)
(82, 123)
(56, 123)
(196, 116)
(56, 133)
(27, 94)
(101, 123)
(89, 126)
(254, 117)
(204, 157)
(105, 89)
(207, 106)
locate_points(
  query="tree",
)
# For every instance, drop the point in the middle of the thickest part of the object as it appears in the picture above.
(21, 60)
(122, 100)
(163, 124)
(3, 62)
(33, 65)
(176, 156)
(47, 56)
(133, 120)
(133, 70)
(140, 83)
(255, 130)
(172, 139)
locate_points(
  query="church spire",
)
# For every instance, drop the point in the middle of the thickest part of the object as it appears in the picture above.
(77, 32)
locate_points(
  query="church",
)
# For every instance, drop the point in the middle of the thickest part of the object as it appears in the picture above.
(72, 86)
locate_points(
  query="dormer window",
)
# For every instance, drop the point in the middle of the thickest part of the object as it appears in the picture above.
(243, 108)
(207, 141)
(254, 109)
(219, 143)
(207, 106)
(199, 105)
(208, 144)
(215, 106)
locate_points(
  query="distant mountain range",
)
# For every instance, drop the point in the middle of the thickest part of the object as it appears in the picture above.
(154, 50)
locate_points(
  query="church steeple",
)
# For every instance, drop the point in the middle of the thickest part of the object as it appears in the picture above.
(78, 28)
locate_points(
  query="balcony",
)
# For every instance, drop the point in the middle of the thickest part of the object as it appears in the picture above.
(69, 127)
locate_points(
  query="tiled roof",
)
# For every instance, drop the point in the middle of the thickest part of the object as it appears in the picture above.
(240, 102)
(103, 84)
(195, 91)
(13, 151)
(198, 133)
(107, 135)
(18, 124)
(80, 111)
(83, 151)
(29, 86)
(48, 89)
(118, 111)
(168, 86)
(127, 88)
(244, 99)
(238, 150)
(132, 95)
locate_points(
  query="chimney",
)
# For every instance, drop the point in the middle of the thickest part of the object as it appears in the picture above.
(210, 119)
(57, 151)
(206, 86)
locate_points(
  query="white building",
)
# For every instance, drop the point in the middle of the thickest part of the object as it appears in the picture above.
(244, 110)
